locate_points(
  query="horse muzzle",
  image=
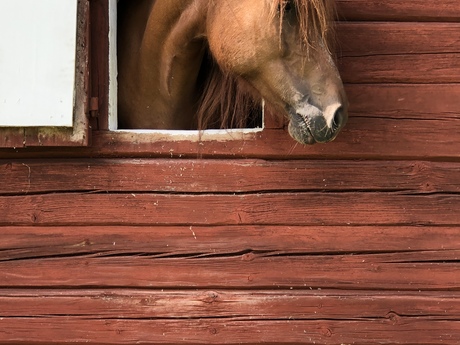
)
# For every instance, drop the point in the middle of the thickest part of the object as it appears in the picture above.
(309, 125)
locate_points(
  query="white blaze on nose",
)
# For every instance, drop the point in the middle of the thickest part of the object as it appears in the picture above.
(329, 113)
(308, 111)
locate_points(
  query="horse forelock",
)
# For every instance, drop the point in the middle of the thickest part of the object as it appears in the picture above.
(315, 19)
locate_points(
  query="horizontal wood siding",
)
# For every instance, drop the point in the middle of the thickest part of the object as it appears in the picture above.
(140, 239)
(327, 251)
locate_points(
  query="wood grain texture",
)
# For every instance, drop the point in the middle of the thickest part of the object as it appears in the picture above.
(395, 10)
(11, 137)
(152, 317)
(244, 271)
(300, 263)
(228, 331)
(404, 102)
(355, 39)
(240, 271)
(225, 176)
(273, 257)
(266, 208)
(415, 69)
(23, 243)
(236, 304)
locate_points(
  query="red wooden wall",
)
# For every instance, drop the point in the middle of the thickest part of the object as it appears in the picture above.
(145, 240)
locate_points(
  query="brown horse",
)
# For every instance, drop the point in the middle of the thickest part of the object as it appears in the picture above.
(188, 64)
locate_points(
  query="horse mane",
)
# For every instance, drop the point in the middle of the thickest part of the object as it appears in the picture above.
(227, 101)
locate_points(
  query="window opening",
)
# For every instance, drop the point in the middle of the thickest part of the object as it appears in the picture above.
(255, 118)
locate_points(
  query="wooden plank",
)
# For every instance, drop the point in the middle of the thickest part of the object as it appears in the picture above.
(415, 68)
(381, 258)
(414, 10)
(404, 102)
(266, 208)
(21, 243)
(399, 52)
(417, 271)
(225, 176)
(242, 304)
(398, 331)
(374, 38)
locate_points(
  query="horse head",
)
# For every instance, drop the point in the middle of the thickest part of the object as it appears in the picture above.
(281, 48)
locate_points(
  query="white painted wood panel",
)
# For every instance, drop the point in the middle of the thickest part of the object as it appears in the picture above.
(37, 62)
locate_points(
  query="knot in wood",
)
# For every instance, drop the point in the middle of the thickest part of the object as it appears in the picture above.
(213, 331)
(35, 218)
(394, 318)
(210, 297)
(327, 332)
(420, 167)
(428, 187)
(146, 301)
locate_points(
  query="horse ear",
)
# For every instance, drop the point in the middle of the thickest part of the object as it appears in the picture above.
(189, 27)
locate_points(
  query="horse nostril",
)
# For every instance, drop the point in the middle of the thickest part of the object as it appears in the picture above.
(337, 119)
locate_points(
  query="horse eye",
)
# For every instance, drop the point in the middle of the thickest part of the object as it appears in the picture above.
(287, 7)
